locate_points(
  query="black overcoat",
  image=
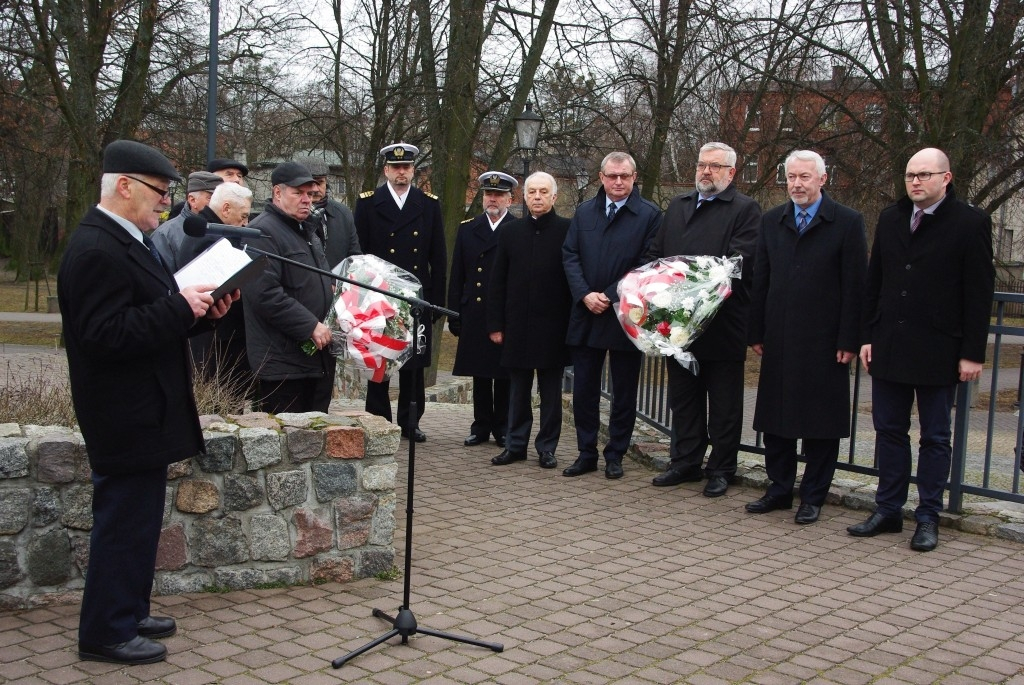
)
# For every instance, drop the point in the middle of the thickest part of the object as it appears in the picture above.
(126, 328)
(806, 304)
(929, 295)
(596, 255)
(472, 264)
(411, 238)
(529, 297)
(726, 226)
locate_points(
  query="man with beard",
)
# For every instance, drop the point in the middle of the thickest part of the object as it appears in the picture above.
(476, 355)
(714, 220)
(528, 315)
(401, 224)
(333, 220)
(285, 306)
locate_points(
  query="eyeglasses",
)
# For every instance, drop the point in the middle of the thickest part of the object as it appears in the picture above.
(921, 175)
(619, 177)
(164, 194)
(714, 166)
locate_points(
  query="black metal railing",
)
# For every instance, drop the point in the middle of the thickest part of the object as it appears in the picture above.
(986, 447)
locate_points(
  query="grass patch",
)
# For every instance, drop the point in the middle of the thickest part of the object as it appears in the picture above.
(392, 573)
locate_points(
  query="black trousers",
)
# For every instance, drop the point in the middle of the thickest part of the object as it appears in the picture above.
(780, 463)
(490, 407)
(296, 395)
(706, 409)
(378, 399)
(624, 367)
(520, 410)
(127, 512)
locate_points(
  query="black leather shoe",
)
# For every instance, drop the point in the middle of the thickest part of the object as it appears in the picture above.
(579, 467)
(138, 650)
(926, 537)
(157, 626)
(420, 435)
(506, 458)
(716, 486)
(807, 513)
(499, 440)
(474, 440)
(876, 523)
(769, 503)
(547, 460)
(613, 470)
(677, 476)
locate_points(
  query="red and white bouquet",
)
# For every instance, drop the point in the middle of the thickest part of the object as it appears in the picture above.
(664, 305)
(372, 333)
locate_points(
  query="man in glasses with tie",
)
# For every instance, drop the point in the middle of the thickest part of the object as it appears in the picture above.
(125, 328)
(926, 313)
(608, 237)
(805, 314)
(715, 220)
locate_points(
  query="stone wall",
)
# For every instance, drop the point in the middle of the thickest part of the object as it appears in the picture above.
(292, 498)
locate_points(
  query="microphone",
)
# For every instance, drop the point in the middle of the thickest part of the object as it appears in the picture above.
(198, 227)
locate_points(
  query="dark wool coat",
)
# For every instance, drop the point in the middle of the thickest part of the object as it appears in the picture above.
(337, 230)
(529, 297)
(726, 226)
(284, 303)
(929, 295)
(411, 238)
(472, 264)
(596, 255)
(806, 305)
(126, 328)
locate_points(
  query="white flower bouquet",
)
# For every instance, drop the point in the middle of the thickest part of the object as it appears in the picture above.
(372, 333)
(664, 305)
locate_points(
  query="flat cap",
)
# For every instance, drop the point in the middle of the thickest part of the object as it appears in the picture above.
(203, 180)
(133, 157)
(218, 164)
(399, 153)
(317, 167)
(496, 180)
(290, 174)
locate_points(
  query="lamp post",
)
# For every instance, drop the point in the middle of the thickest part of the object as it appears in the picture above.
(527, 135)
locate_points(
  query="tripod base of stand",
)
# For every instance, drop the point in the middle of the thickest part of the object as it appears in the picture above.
(404, 624)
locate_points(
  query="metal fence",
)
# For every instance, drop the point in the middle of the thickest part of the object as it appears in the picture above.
(986, 443)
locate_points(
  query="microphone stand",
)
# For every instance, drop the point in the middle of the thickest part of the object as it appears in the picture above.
(403, 624)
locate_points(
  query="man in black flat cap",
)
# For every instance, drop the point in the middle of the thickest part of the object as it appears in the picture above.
(231, 170)
(401, 224)
(476, 355)
(125, 328)
(170, 235)
(286, 305)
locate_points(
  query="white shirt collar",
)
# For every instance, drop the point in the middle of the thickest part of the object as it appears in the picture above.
(132, 229)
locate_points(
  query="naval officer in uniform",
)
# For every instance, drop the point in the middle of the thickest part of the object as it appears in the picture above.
(401, 224)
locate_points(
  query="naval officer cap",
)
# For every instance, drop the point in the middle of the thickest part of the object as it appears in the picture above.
(495, 180)
(399, 153)
(220, 164)
(133, 157)
(291, 174)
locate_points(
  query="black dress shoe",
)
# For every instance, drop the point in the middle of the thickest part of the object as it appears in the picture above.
(876, 523)
(613, 470)
(579, 467)
(716, 486)
(138, 650)
(807, 513)
(157, 626)
(499, 440)
(474, 440)
(420, 435)
(769, 503)
(547, 460)
(506, 458)
(677, 476)
(926, 537)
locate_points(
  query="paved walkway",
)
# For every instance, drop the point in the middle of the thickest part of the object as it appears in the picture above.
(592, 581)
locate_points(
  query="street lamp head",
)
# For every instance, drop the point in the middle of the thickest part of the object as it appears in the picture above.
(528, 128)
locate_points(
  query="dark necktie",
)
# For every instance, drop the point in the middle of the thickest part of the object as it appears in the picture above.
(148, 242)
(801, 225)
(611, 212)
(916, 221)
